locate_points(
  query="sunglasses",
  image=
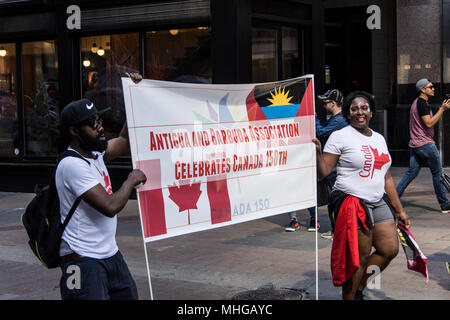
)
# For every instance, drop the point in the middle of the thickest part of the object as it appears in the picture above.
(430, 87)
(94, 124)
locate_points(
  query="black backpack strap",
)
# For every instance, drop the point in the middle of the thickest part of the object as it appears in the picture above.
(71, 212)
(71, 153)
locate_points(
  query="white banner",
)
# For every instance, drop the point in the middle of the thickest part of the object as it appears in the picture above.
(216, 155)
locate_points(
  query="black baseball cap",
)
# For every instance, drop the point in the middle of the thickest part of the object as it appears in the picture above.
(78, 111)
(333, 94)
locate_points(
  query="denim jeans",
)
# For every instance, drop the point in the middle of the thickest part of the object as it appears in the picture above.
(98, 279)
(426, 154)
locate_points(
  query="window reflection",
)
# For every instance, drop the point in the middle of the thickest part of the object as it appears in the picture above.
(276, 53)
(182, 55)
(8, 100)
(40, 81)
(264, 55)
(104, 60)
(290, 53)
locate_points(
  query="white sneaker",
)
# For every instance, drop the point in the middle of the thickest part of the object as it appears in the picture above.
(446, 209)
(327, 235)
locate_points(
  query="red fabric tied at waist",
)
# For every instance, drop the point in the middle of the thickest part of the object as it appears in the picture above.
(344, 251)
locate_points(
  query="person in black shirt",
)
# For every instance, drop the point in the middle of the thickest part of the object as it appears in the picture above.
(423, 149)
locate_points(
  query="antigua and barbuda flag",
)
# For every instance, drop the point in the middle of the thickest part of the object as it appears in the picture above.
(415, 259)
(284, 99)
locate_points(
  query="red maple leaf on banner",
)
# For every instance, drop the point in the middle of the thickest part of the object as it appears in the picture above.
(185, 196)
(380, 160)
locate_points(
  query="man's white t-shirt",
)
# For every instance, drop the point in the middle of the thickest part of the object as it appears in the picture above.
(362, 164)
(89, 233)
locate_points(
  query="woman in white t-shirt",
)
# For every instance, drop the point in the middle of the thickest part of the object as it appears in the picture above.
(363, 162)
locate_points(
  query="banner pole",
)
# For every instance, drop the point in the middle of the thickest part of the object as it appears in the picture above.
(317, 261)
(148, 270)
(317, 203)
(145, 249)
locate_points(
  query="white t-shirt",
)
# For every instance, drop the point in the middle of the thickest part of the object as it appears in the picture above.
(362, 164)
(89, 233)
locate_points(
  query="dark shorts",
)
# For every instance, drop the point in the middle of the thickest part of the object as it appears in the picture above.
(97, 279)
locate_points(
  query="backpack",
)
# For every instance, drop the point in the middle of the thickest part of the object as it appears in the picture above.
(42, 219)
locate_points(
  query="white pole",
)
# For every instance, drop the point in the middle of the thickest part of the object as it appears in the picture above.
(315, 163)
(148, 270)
(145, 249)
(317, 260)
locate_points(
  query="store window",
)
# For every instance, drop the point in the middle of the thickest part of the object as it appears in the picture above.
(276, 53)
(8, 100)
(264, 55)
(289, 52)
(104, 60)
(182, 55)
(41, 105)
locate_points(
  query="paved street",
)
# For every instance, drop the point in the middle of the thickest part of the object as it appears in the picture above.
(223, 262)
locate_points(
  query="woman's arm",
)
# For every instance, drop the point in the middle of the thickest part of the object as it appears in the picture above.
(391, 191)
(325, 161)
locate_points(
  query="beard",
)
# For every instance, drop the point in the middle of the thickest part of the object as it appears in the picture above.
(93, 144)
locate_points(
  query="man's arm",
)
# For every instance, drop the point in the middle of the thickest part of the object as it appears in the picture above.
(111, 204)
(118, 146)
(324, 131)
(121, 145)
(430, 121)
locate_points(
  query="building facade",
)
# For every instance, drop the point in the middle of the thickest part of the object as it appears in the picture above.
(48, 60)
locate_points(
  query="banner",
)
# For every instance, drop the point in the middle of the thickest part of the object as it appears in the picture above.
(216, 155)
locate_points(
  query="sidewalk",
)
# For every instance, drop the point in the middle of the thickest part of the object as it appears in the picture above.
(223, 262)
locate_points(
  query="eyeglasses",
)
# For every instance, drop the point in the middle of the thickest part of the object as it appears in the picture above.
(430, 87)
(95, 123)
(363, 108)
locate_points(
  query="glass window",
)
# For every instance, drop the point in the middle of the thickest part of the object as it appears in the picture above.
(289, 53)
(264, 55)
(40, 84)
(104, 60)
(182, 55)
(8, 100)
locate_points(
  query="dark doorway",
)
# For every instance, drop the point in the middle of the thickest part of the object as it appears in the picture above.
(348, 50)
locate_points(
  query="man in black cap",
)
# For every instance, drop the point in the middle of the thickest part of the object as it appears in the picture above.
(332, 102)
(88, 247)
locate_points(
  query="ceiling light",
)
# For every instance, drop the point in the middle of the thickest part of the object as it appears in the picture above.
(100, 51)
